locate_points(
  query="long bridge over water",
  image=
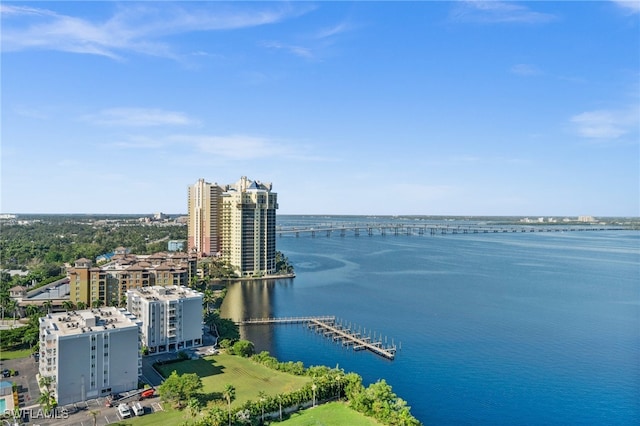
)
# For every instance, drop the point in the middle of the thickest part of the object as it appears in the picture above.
(336, 330)
(358, 229)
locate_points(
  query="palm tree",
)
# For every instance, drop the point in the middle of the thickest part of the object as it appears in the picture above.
(68, 305)
(229, 393)
(11, 308)
(94, 416)
(263, 397)
(194, 406)
(97, 303)
(32, 310)
(47, 305)
(81, 306)
(31, 336)
(208, 299)
(47, 400)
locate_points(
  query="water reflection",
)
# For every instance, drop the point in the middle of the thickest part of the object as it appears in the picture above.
(253, 299)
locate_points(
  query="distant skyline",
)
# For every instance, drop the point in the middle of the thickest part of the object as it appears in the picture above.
(500, 108)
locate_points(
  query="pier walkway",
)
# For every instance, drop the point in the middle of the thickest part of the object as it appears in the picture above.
(331, 328)
(285, 320)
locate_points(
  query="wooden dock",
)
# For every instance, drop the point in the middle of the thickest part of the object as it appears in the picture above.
(285, 320)
(330, 328)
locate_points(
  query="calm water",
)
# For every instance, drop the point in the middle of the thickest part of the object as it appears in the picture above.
(524, 328)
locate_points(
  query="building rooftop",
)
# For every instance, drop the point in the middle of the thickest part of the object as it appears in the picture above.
(164, 293)
(87, 321)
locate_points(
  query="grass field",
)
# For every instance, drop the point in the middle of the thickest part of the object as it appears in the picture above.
(14, 354)
(331, 414)
(334, 413)
(246, 376)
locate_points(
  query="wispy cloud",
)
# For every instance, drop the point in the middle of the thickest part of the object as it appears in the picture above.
(311, 46)
(607, 124)
(632, 6)
(333, 30)
(525, 70)
(139, 117)
(303, 52)
(31, 112)
(233, 146)
(489, 11)
(132, 28)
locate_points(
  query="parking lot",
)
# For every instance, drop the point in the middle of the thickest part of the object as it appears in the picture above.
(78, 414)
(27, 368)
(82, 413)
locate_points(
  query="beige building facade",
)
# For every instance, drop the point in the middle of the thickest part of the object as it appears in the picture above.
(243, 223)
(249, 227)
(204, 203)
(107, 285)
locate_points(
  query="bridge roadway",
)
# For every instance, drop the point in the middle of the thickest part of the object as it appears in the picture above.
(432, 229)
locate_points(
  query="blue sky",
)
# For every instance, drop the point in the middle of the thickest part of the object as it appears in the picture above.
(433, 108)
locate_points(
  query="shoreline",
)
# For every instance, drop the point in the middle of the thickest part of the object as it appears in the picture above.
(266, 277)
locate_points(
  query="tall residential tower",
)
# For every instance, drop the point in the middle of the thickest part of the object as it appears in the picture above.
(249, 227)
(205, 201)
(236, 222)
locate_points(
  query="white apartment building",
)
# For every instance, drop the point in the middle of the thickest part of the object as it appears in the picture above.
(90, 353)
(171, 316)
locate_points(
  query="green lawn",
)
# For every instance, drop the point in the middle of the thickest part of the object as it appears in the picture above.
(246, 376)
(334, 413)
(14, 354)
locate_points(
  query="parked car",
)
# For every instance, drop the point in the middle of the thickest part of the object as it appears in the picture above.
(6, 373)
(124, 411)
(138, 409)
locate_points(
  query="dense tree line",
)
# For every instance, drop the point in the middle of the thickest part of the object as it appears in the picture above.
(43, 247)
(56, 243)
(377, 400)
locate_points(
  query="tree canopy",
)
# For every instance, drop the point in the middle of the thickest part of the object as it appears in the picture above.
(179, 388)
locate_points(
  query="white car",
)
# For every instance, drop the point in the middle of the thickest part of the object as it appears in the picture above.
(138, 409)
(124, 410)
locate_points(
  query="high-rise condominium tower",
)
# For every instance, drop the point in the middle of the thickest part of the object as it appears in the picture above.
(237, 221)
(205, 201)
(249, 227)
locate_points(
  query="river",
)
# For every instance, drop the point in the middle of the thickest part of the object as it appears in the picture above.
(507, 328)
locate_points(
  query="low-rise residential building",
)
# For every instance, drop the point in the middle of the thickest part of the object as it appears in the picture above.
(107, 284)
(90, 353)
(170, 316)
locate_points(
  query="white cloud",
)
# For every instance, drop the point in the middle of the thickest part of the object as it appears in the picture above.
(233, 146)
(303, 52)
(525, 70)
(490, 11)
(133, 28)
(139, 117)
(632, 6)
(333, 31)
(607, 124)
